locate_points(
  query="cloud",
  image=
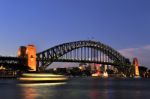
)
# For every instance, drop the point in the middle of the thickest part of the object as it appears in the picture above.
(142, 53)
(147, 47)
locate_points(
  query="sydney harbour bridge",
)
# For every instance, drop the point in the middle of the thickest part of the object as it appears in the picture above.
(85, 51)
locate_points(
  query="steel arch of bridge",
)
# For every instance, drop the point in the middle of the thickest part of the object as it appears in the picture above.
(56, 53)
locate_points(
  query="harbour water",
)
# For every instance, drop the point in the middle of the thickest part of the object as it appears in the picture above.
(78, 88)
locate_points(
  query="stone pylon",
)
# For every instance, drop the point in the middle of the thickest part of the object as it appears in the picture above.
(136, 66)
(28, 52)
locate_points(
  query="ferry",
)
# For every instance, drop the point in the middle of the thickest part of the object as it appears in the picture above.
(41, 78)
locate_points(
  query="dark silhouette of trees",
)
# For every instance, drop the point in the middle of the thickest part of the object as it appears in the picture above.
(143, 71)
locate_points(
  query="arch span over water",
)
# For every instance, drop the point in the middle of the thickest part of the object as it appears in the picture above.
(58, 52)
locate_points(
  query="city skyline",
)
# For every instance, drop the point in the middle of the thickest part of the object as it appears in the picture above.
(123, 25)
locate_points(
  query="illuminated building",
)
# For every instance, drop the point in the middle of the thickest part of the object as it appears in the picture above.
(28, 52)
(98, 67)
(93, 68)
(136, 66)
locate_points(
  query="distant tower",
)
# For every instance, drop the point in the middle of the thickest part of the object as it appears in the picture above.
(136, 66)
(31, 55)
(28, 52)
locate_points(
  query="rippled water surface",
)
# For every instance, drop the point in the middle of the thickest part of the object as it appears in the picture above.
(78, 88)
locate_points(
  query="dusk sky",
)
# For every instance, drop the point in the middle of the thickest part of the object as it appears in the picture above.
(122, 24)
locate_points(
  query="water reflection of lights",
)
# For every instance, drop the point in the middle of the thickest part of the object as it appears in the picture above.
(41, 84)
(36, 90)
(29, 93)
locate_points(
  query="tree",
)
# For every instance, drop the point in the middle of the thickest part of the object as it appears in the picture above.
(142, 70)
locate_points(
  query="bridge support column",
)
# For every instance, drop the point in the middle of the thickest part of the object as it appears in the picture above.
(29, 52)
(31, 55)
